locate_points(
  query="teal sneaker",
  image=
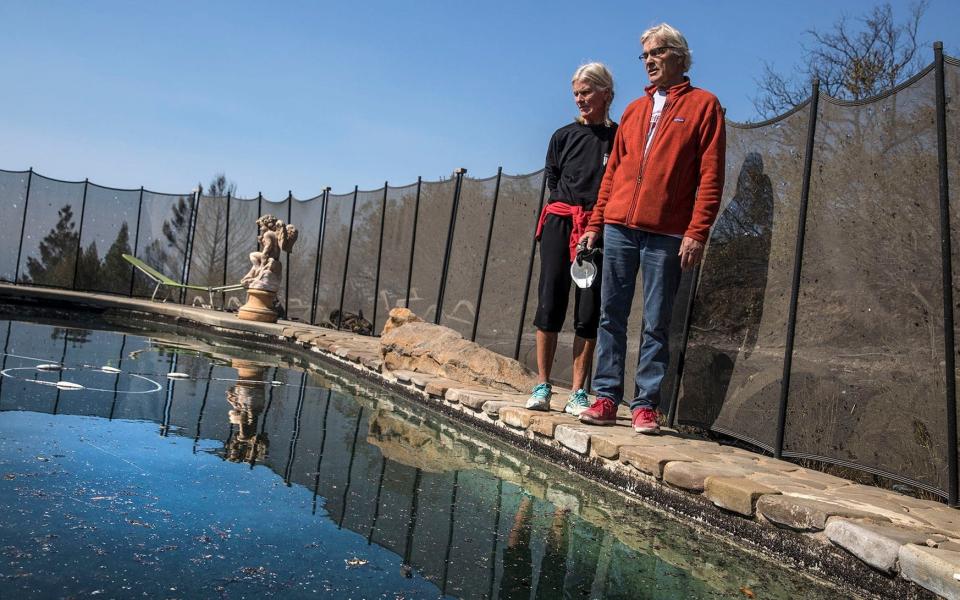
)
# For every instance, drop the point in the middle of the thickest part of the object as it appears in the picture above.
(540, 397)
(577, 403)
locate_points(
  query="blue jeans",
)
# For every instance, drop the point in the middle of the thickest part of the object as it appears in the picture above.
(625, 251)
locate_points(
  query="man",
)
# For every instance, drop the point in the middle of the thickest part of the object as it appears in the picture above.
(658, 198)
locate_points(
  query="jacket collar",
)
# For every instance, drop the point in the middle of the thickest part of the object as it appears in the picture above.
(673, 91)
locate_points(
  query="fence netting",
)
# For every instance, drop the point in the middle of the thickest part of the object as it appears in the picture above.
(359, 295)
(333, 255)
(306, 216)
(513, 229)
(107, 231)
(433, 222)
(162, 239)
(867, 385)
(395, 257)
(13, 194)
(466, 254)
(734, 357)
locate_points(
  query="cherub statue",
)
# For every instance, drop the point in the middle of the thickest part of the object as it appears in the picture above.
(265, 274)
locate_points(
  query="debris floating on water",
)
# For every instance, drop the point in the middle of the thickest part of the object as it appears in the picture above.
(49, 367)
(69, 385)
(177, 375)
(108, 369)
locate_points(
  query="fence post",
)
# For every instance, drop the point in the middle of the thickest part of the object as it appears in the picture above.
(286, 284)
(346, 260)
(946, 262)
(681, 356)
(797, 267)
(486, 256)
(526, 286)
(321, 236)
(23, 226)
(191, 231)
(226, 241)
(446, 253)
(136, 241)
(76, 256)
(376, 283)
(413, 241)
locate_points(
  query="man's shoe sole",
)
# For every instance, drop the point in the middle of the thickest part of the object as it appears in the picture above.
(648, 430)
(592, 421)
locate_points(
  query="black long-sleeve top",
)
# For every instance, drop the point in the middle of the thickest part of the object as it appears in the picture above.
(576, 158)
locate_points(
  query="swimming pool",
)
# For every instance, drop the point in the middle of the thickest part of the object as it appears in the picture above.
(173, 466)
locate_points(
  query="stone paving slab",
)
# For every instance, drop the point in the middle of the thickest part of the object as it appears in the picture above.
(877, 545)
(871, 523)
(931, 568)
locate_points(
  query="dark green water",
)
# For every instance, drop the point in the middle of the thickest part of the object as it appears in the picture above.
(248, 477)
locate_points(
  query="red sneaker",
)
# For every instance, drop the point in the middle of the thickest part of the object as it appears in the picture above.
(645, 421)
(602, 412)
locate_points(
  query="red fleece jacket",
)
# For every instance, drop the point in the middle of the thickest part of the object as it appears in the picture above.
(676, 188)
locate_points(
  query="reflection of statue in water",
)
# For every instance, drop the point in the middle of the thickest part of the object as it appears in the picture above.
(266, 270)
(265, 275)
(247, 399)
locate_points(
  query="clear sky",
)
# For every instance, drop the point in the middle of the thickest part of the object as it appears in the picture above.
(299, 95)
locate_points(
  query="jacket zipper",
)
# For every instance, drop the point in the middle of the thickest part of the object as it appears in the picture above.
(643, 161)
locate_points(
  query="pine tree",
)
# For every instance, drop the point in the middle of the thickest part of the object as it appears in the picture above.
(115, 272)
(58, 250)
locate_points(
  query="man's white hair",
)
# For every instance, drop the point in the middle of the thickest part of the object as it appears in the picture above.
(670, 36)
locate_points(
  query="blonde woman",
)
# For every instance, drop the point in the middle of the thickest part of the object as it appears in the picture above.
(576, 158)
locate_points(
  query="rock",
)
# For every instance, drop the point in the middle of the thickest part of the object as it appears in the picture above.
(492, 407)
(737, 494)
(574, 437)
(876, 545)
(399, 317)
(473, 400)
(804, 514)
(652, 459)
(436, 350)
(545, 424)
(931, 568)
(691, 476)
(517, 416)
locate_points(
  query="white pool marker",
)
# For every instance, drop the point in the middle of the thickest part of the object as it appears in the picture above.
(109, 369)
(68, 385)
(177, 375)
(49, 367)
(275, 382)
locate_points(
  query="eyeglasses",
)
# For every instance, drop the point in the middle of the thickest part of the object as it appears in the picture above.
(657, 52)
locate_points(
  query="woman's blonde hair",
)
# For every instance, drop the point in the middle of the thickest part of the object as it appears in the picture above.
(670, 36)
(599, 76)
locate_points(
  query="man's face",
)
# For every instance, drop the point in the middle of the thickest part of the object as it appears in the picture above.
(664, 66)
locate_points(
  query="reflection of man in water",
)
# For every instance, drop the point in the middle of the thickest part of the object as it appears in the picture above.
(518, 575)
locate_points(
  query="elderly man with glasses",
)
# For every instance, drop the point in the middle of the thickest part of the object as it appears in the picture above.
(659, 196)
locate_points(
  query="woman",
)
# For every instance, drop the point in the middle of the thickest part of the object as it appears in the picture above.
(576, 158)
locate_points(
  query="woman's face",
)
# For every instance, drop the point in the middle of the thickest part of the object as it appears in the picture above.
(591, 102)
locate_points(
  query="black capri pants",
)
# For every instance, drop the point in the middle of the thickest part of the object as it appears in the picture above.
(554, 287)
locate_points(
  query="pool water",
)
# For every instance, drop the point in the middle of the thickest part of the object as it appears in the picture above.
(155, 465)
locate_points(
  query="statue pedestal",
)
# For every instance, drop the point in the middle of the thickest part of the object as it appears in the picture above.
(259, 307)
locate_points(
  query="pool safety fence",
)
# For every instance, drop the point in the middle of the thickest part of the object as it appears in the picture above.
(819, 325)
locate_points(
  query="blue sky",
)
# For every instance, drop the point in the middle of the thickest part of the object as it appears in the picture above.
(300, 95)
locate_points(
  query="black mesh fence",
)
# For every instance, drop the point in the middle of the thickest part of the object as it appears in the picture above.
(13, 195)
(307, 216)
(395, 256)
(242, 233)
(474, 209)
(162, 238)
(861, 332)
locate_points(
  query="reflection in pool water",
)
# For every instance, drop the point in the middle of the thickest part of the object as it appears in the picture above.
(252, 478)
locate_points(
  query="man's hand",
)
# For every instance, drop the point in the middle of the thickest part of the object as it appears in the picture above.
(590, 238)
(691, 251)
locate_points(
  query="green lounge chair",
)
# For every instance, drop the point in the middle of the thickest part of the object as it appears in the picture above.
(163, 281)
